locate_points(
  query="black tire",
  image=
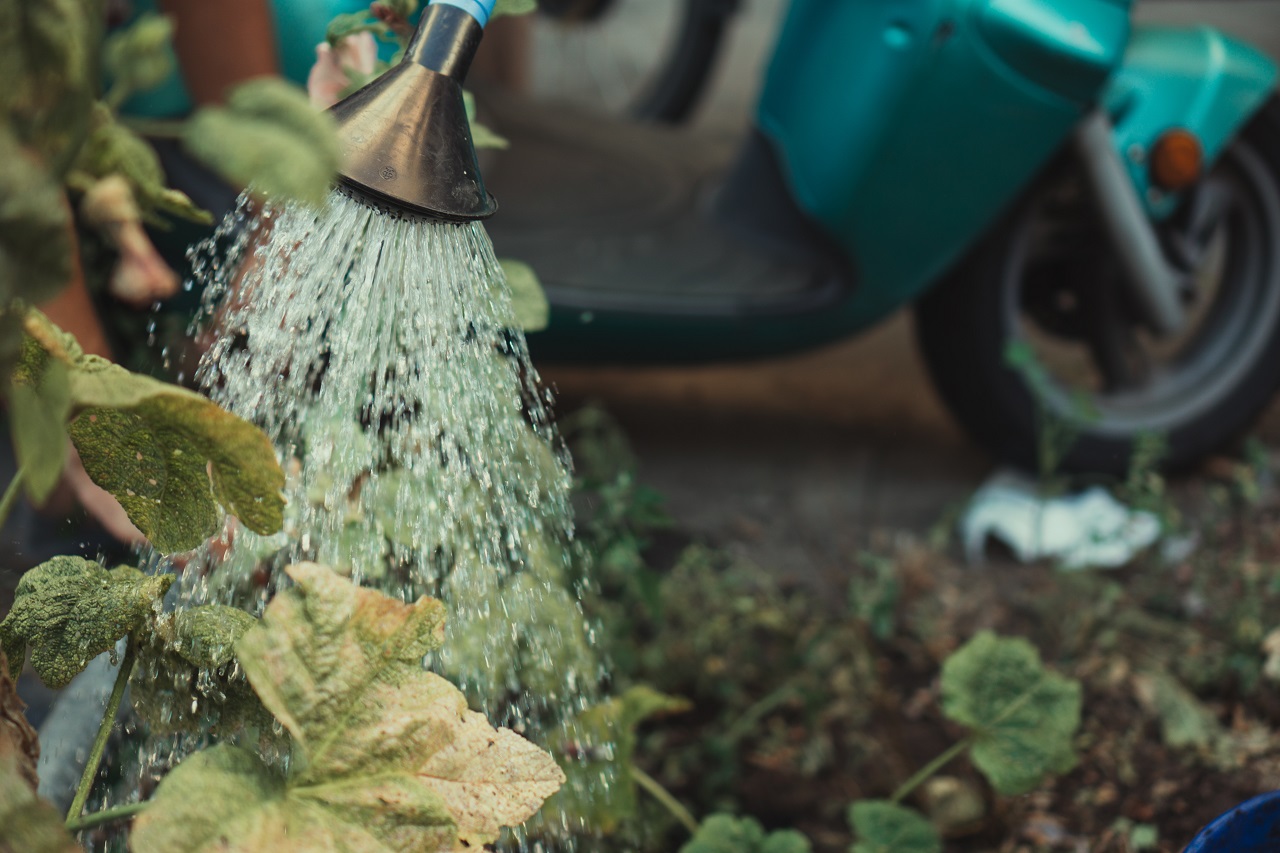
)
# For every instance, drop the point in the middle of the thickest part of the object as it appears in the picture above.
(967, 323)
(680, 77)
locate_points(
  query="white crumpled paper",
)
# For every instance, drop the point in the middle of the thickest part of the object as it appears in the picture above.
(1083, 530)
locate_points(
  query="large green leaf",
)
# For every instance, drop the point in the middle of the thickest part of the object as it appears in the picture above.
(604, 744)
(722, 833)
(68, 611)
(386, 755)
(35, 228)
(270, 136)
(187, 678)
(1023, 716)
(170, 456)
(885, 827)
(39, 406)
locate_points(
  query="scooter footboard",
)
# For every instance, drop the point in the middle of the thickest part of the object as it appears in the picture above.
(1195, 79)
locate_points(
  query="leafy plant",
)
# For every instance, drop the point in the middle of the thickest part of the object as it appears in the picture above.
(170, 456)
(1058, 431)
(883, 826)
(1023, 719)
(385, 754)
(605, 745)
(727, 834)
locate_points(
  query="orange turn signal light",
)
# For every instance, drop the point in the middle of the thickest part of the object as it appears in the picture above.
(1177, 160)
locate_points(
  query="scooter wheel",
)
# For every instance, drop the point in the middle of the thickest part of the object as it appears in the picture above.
(1038, 352)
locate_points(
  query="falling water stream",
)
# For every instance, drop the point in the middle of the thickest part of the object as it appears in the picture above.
(381, 356)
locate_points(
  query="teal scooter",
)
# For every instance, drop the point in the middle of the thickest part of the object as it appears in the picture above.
(1036, 176)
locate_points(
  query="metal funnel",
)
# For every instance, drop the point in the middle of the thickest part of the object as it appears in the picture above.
(405, 138)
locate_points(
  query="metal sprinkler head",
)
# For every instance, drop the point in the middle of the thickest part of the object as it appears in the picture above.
(405, 137)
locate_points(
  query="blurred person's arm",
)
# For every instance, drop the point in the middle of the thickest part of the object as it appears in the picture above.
(220, 44)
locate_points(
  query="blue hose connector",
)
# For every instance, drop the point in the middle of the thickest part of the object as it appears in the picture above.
(481, 10)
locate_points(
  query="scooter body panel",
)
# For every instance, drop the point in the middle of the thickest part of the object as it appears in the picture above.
(1196, 79)
(907, 126)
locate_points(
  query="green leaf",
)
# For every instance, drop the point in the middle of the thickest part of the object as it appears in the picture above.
(1023, 716)
(113, 149)
(515, 7)
(482, 136)
(35, 228)
(1184, 720)
(524, 630)
(68, 611)
(187, 679)
(528, 301)
(386, 755)
(605, 737)
(268, 136)
(170, 456)
(39, 406)
(885, 827)
(140, 56)
(722, 833)
(354, 23)
(46, 63)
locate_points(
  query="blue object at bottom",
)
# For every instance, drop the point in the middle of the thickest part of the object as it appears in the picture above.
(1252, 827)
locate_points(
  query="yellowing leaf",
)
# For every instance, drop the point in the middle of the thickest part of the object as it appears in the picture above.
(386, 755)
(268, 136)
(69, 610)
(885, 827)
(170, 456)
(1023, 716)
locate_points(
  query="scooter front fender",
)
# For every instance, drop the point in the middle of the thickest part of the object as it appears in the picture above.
(905, 127)
(1195, 79)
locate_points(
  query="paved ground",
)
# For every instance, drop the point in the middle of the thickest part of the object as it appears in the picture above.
(800, 460)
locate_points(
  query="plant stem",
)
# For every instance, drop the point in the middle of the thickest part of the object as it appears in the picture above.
(89, 821)
(11, 495)
(104, 732)
(759, 711)
(158, 128)
(929, 769)
(662, 795)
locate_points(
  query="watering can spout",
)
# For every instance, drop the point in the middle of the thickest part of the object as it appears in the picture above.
(405, 137)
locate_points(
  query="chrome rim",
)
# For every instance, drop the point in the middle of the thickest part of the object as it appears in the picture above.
(1063, 296)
